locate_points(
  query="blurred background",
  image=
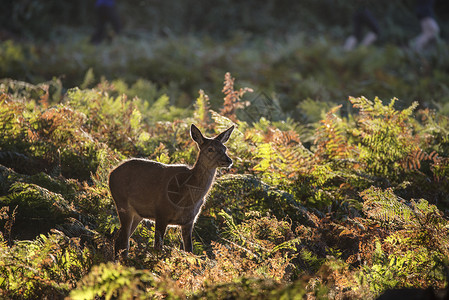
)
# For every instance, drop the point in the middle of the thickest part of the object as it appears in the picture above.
(292, 53)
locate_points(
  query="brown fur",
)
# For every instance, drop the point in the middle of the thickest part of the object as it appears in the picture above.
(167, 194)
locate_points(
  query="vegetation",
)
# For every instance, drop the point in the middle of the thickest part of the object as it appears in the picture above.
(331, 195)
(359, 211)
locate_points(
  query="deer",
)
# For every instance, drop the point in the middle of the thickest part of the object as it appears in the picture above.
(167, 194)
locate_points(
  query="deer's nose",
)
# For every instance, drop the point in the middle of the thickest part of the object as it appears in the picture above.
(227, 162)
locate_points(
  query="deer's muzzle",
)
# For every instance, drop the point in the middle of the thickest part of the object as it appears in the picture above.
(226, 162)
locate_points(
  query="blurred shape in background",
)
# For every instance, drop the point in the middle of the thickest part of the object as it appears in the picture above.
(363, 17)
(106, 12)
(429, 26)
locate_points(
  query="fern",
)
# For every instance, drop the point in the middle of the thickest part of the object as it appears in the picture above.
(201, 113)
(232, 99)
(331, 142)
(89, 79)
(262, 239)
(50, 265)
(114, 281)
(418, 218)
(280, 156)
(386, 207)
(417, 245)
(413, 161)
(385, 136)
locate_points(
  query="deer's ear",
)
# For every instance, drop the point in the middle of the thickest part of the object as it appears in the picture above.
(196, 135)
(224, 136)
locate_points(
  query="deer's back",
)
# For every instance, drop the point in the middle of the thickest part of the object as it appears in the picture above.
(141, 179)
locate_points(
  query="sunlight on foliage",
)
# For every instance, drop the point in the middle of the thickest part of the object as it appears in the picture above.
(346, 207)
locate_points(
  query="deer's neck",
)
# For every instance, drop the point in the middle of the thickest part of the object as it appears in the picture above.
(202, 176)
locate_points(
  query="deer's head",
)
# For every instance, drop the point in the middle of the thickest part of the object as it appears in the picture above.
(212, 150)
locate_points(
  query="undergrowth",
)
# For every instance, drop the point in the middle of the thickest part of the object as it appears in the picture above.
(297, 74)
(347, 208)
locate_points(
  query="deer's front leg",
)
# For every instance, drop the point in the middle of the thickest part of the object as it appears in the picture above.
(187, 237)
(122, 241)
(159, 233)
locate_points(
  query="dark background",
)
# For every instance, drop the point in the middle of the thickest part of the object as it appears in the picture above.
(219, 18)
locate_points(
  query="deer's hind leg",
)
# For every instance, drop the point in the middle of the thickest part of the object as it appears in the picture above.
(129, 221)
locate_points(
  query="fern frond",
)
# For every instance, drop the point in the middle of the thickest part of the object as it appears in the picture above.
(201, 112)
(385, 206)
(413, 161)
(386, 138)
(331, 141)
(222, 122)
(232, 99)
